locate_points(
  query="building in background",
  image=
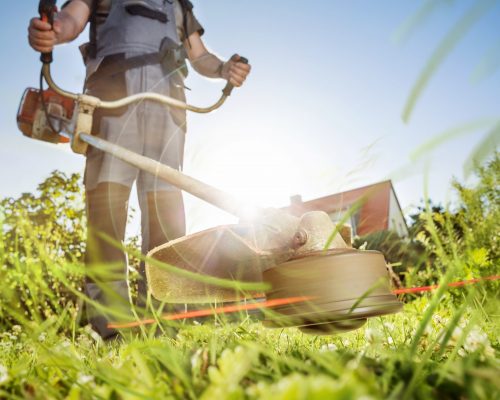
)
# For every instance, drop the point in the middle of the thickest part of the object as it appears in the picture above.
(372, 208)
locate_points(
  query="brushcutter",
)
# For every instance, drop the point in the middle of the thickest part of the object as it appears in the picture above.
(306, 257)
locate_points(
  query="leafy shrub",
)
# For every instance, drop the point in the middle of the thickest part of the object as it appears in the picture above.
(42, 242)
(464, 235)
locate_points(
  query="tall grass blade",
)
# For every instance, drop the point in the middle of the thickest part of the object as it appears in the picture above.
(489, 65)
(487, 146)
(450, 134)
(471, 17)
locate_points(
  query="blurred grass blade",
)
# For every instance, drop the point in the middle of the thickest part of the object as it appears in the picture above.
(487, 146)
(346, 217)
(417, 19)
(489, 65)
(443, 50)
(450, 134)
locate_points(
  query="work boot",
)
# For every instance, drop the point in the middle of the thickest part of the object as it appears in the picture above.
(114, 297)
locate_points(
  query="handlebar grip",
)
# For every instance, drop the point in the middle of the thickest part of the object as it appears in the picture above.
(47, 10)
(229, 87)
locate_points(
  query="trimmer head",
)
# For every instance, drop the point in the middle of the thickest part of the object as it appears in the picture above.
(341, 286)
(344, 288)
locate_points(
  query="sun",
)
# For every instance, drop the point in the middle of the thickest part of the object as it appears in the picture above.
(257, 174)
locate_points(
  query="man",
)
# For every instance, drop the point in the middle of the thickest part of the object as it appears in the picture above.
(135, 46)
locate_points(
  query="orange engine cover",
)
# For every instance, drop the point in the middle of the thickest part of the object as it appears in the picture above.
(31, 118)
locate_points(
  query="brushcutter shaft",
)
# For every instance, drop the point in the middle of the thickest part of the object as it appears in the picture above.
(190, 185)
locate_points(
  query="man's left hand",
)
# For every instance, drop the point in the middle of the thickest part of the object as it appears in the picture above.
(235, 71)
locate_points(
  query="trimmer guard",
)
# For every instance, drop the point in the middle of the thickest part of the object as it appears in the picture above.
(343, 287)
(220, 252)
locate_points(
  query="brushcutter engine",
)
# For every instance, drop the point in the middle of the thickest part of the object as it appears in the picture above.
(43, 115)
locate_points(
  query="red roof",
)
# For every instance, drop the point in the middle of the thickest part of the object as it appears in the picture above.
(338, 201)
(373, 206)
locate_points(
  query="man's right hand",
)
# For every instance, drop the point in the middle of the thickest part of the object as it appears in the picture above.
(68, 24)
(42, 36)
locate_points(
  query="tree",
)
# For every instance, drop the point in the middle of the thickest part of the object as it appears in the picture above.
(53, 216)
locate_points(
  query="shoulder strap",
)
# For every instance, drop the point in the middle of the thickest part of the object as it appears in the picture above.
(186, 6)
(93, 31)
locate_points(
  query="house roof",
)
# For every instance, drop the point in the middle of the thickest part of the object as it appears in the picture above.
(337, 201)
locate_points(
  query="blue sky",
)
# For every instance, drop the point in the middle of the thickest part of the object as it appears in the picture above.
(320, 113)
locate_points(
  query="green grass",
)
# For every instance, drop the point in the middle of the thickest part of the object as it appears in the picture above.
(455, 357)
(444, 344)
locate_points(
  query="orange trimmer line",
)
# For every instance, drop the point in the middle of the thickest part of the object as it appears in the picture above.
(214, 311)
(277, 302)
(453, 284)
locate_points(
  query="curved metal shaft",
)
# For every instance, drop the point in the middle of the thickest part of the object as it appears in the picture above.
(208, 193)
(165, 100)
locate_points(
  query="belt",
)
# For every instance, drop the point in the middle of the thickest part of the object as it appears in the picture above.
(118, 63)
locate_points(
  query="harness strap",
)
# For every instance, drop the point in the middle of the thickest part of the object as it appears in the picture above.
(186, 6)
(93, 31)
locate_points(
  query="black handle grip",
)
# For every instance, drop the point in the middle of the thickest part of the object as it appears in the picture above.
(229, 87)
(47, 10)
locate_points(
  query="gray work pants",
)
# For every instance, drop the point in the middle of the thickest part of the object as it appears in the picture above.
(148, 129)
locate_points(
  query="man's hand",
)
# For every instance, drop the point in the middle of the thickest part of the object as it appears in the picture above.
(235, 72)
(209, 65)
(68, 24)
(42, 37)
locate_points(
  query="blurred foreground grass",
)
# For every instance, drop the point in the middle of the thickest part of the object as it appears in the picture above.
(456, 357)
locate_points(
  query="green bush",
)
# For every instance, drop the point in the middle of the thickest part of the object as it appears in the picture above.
(464, 235)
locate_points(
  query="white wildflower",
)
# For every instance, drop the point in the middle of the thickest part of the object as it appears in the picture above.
(372, 335)
(83, 341)
(455, 336)
(478, 340)
(83, 379)
(389, 326)
(4, 374)
(42, 337)
(17, 329)
(438, 320)
(328, 347)
(475, 340)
